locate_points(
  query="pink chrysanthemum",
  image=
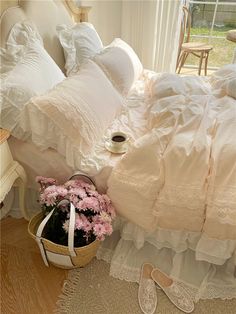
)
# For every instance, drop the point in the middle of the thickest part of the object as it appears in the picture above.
(99, 230)
(65, 225)
(89, 203)
(94, 212)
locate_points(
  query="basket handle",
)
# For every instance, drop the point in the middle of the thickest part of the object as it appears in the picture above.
(70, 231)
(82, 174)
(39, 239)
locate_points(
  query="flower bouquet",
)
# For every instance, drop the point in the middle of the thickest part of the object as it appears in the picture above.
(92, 216)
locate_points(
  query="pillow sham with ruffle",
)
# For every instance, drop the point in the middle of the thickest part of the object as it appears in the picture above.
(26, 70)
(121, 65)
(80, 43)
(73, 116)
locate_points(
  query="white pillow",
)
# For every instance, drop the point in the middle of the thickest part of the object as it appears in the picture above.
(80, 43)
(121, 64)
(220, 77)
(26, 70)
(73, 116)
(169, 84)
(231, 88)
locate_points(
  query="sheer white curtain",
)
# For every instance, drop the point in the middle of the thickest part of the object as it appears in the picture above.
(152, 28)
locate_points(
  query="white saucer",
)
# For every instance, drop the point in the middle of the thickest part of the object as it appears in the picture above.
(116, 150)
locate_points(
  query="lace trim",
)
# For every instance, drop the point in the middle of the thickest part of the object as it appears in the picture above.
(224, 215)
(222, 195)
(190, 197)
(219, 203)
(147, 188)
(209, 291)
(80, 117)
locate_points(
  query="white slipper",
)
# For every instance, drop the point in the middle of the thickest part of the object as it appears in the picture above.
(176, 293)
(147, 295)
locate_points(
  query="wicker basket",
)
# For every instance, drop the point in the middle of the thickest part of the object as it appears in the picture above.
(83, 254)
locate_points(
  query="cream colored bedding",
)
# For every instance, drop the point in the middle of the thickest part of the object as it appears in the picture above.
(176, 184)
(181, 175)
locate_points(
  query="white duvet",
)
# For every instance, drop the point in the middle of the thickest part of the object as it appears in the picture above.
(181, 175)
(180, 171)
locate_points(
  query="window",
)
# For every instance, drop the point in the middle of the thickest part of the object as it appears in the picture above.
(210, 21)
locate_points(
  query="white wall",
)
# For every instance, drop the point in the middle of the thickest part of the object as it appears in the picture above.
(106, 18)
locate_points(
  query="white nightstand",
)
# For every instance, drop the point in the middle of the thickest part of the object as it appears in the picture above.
(11, 172)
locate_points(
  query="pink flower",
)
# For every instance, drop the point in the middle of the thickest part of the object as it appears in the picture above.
(69, 183)
(49, 195)
(44, 182)
(82, 223)
(86, 201)
(104, 217)
(99, 230)
(65, 226)
(89, 203)
(87, 227)
(79, 222)
(87, 186)
(108, 228)
(111, 211)
(106, 205)
(39, 179)
(61, 191)
(93, 193)
(73, 199)
(96, 219)
(79, 192)
(79, 183)
(50, 201)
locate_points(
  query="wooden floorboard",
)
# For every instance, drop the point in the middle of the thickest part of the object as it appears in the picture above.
(27, 285)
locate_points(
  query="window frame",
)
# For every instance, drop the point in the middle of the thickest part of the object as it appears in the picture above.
(216, 3)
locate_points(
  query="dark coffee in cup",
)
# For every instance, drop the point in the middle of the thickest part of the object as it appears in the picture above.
(118, 138)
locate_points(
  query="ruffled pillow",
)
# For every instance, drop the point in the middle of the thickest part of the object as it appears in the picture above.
(80, 43)
(26, 70)
(73, 116)
(121, 65)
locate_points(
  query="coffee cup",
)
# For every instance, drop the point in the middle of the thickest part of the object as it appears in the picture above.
(118, 139)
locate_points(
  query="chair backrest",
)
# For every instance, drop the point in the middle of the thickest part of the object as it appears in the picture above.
(184, 28)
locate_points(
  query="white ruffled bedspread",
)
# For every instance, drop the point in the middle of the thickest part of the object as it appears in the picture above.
(181, 175)
(175, 189)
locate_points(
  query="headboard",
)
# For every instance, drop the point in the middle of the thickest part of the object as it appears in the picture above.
(46, 14)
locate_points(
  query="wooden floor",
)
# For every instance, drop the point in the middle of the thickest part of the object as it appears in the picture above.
(27, 285)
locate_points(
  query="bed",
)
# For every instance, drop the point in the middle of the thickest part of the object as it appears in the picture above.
(174, 189)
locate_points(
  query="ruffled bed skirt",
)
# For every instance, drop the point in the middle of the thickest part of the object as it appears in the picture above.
(178, 254)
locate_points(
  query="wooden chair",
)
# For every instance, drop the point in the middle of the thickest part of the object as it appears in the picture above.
(198, 49)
